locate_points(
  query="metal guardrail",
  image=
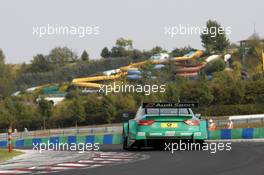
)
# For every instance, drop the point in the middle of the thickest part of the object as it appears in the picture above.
(240, 123)
(63, 132)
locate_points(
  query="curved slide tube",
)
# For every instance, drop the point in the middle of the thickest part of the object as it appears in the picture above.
(189, 70)
(91, 82)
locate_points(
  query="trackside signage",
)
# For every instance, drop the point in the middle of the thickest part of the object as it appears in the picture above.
(170, 105)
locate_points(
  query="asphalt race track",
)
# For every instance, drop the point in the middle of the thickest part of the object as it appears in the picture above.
(244, 158)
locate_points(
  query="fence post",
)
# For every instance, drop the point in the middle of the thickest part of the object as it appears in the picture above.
(78, 131)
(247, 123)
(10, 139)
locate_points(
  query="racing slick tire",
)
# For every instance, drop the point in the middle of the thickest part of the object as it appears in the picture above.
(125, 147)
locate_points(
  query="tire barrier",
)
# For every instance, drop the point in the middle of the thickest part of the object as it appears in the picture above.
(101, 139)
(237, 133)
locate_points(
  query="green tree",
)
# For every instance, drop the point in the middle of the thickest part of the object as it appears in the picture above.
(77, 111)
(18, 112)
(40, 63)
(105, 53)
(123, 47)
(137, 55)
(198, 92)
(181, 51)
(256, 47)
(7, 83)
(237, 92)
(109, 109)
(119, 52)
(232, 93)
(214, 37)
(236, 66)
(172, 93)
(124, 43)
(156, 50)
(24, 115)
(62, 55)
(215, 66)
(2, 57)
(6, 118)
(85, 56)
(45, 109)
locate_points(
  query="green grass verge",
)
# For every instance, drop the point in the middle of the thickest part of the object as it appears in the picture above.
(5, 155)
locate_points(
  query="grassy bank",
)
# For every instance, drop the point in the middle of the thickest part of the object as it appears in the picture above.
(4, 155)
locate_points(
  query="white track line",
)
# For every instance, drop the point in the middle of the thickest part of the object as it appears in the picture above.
(95, 165)
(59, 168)
(97, 162)
(45, 168)
(115, 154)
(110, 159)
(118, 157)
(87, 161)
(14, 172)
(71, 164)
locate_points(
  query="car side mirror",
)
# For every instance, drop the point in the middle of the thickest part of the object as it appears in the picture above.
(198, 116)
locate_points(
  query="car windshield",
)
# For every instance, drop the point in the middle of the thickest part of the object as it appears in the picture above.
(178, 111)
(162, 111)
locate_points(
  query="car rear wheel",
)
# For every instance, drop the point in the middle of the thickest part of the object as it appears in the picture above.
(125, 143)
(126, 146)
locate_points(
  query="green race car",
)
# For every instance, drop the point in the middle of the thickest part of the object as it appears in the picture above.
(156, 123)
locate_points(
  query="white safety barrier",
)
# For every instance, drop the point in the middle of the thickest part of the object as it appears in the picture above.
(245, 117)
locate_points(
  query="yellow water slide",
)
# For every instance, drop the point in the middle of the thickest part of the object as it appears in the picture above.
(91, 82)
(195, 55)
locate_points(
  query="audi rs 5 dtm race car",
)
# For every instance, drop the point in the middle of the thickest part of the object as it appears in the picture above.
(156, 123)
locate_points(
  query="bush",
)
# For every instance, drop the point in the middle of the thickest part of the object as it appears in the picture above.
(215, 66)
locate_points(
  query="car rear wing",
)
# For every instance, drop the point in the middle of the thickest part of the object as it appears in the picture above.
(167, 108)
(170, 105)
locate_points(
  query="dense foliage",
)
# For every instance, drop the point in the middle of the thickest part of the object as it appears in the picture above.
(223, 94)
